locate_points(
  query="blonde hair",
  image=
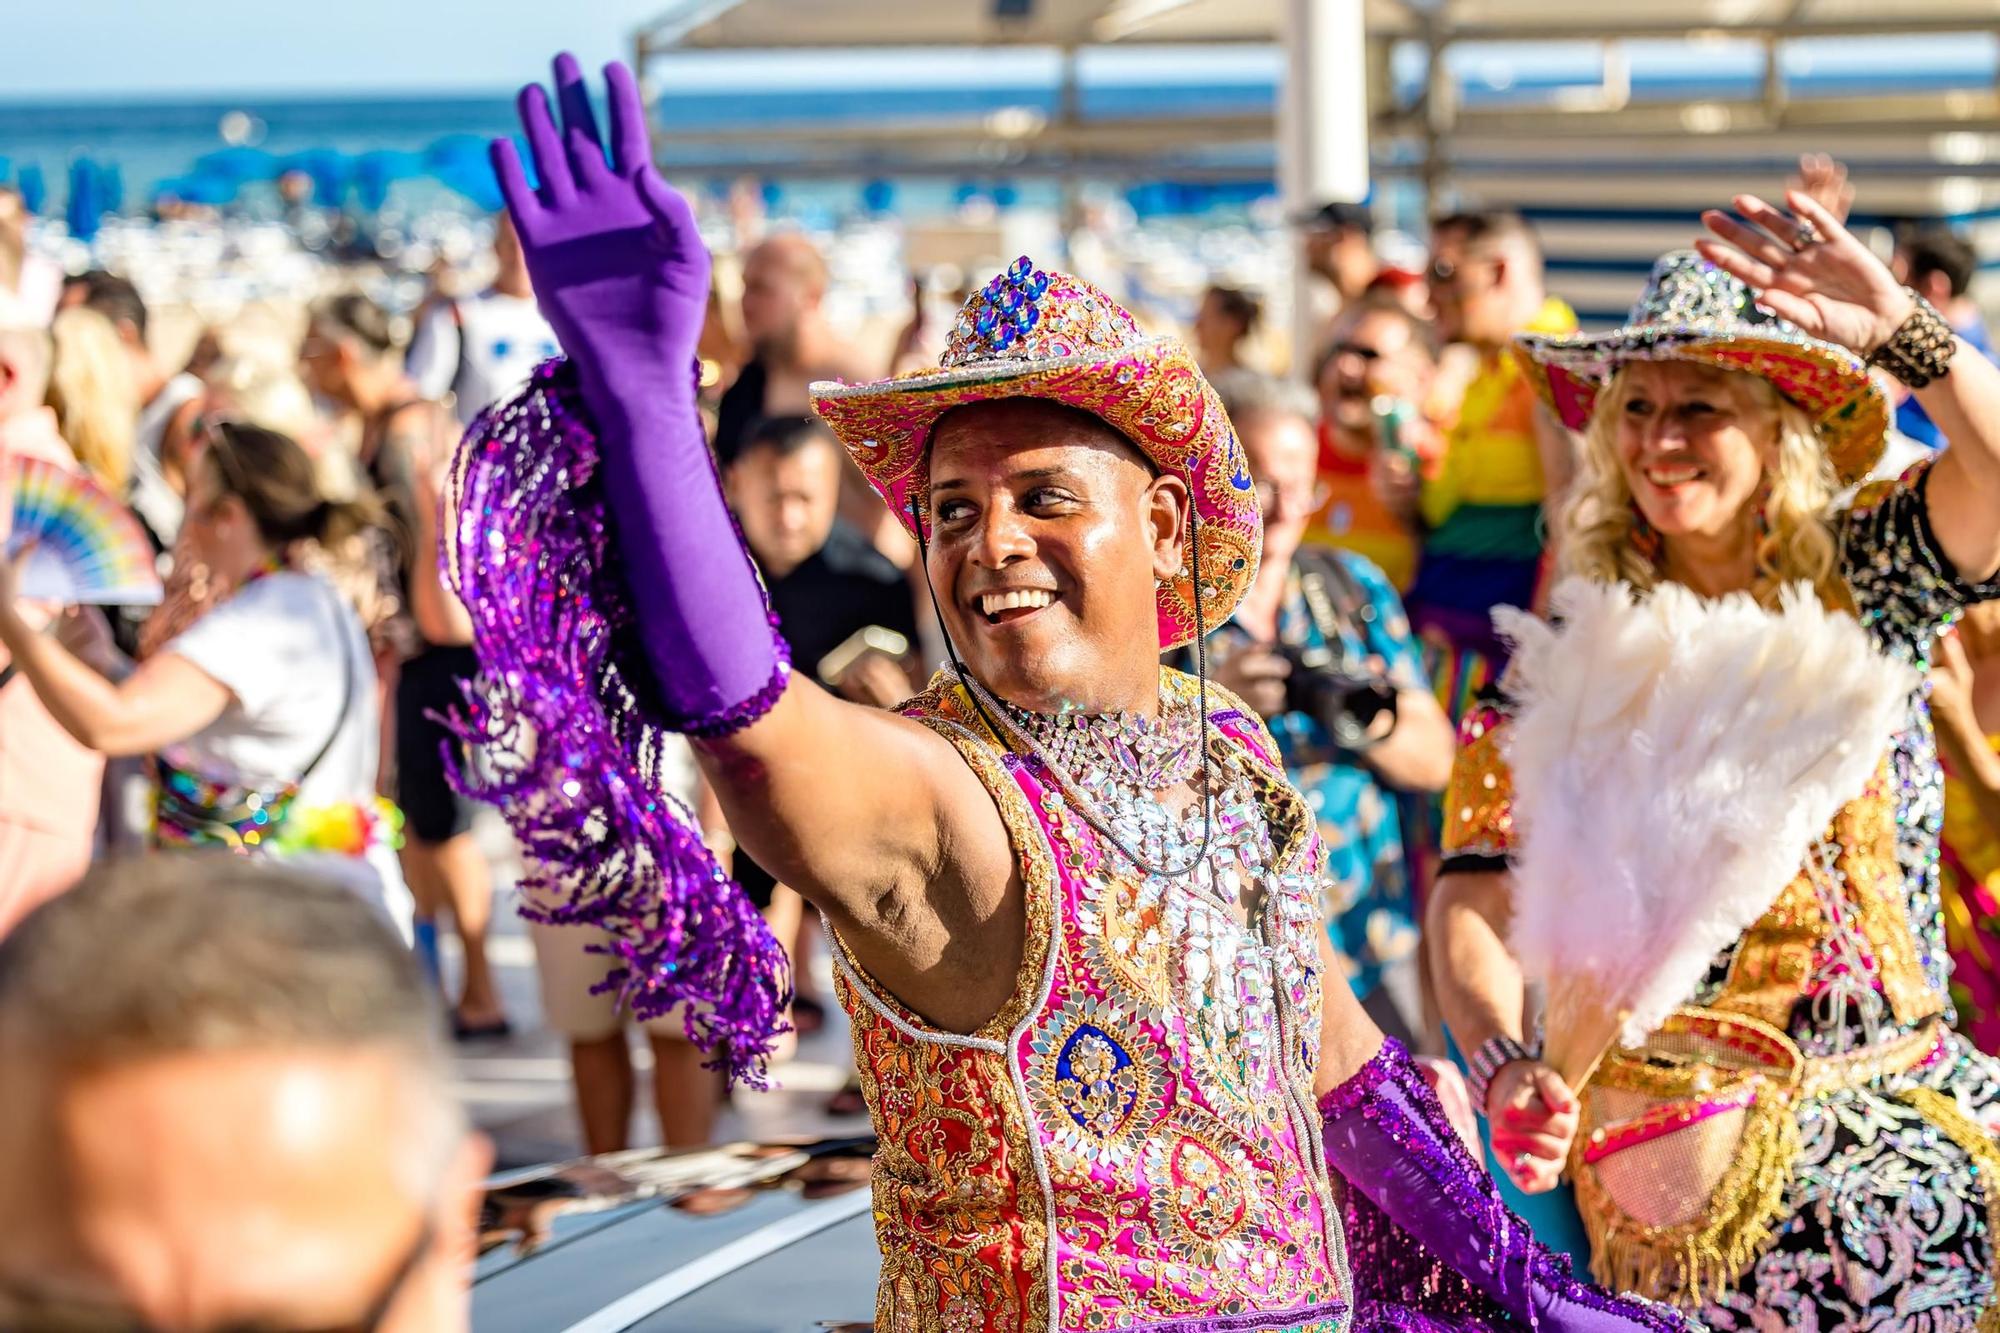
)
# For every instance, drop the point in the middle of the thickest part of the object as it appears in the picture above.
(1599, 526)
(94, 396)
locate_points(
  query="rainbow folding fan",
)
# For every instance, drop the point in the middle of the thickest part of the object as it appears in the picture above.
(87, 548)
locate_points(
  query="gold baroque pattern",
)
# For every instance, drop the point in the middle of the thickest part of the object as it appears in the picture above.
(1479, 801)
(959, 1213)
(956, 1216)
(1774, 963)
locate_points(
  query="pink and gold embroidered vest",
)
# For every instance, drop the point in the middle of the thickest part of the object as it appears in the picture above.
(1132, 1142)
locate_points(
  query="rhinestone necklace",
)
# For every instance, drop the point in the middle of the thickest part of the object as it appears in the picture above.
(1150, 754)
(1112, 762)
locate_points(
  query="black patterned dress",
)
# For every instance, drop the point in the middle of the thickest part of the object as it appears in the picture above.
(1887, 1224)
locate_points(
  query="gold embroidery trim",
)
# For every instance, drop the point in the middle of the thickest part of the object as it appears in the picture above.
(1680, 1263)
(1677, 1262)
(1774, 961)
(905, 1079)
(946, 710)
(1479, 800)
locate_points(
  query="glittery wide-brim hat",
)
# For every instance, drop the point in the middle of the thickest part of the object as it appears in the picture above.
(1031, 334)
(1693, 311)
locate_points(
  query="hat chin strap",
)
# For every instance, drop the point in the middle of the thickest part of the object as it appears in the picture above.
(1200, 656)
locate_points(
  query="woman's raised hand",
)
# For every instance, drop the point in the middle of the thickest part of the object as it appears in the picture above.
(1809, 269)
(617, 262)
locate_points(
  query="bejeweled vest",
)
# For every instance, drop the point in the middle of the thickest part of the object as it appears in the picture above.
(1132, 1142)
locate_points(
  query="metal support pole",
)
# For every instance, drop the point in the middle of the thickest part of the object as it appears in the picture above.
(1440, 110)
(1323, 130)
(1775, 93)
(642, 52)
(1069, 114)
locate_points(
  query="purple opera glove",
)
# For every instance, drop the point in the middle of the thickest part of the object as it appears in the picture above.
(620, 271)
(1426, 1230)
(591, 649)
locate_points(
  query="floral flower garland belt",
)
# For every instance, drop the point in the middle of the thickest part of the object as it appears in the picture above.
(190, 810)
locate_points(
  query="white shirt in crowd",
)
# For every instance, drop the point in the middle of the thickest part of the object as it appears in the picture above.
(284, 646)
(481, 349)
(153, 496)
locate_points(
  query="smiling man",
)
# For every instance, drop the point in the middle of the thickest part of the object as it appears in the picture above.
(1076, 904)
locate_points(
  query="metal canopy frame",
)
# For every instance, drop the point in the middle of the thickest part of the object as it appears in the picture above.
(1430, 136)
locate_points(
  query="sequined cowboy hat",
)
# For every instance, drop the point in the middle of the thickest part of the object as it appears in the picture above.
(1693, 311)
(1031, 334)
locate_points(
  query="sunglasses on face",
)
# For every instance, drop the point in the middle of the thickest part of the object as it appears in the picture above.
(1362, 350)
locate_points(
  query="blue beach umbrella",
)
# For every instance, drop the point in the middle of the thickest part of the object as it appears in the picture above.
(210, 191)
(329, 169)
(466, 168)
(454, 148)
(238, 163)
(376, 171)
(34, 187)
(460, 163)
(82, 209)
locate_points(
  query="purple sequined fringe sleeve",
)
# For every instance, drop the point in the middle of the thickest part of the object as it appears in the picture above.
(571, 730)
(1394, 1130)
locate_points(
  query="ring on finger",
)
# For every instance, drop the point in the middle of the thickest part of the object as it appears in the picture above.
(1521, 1160)
(1805, 234)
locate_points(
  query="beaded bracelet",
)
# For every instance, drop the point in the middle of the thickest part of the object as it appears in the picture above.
(1488, 1060)
(1921, 349)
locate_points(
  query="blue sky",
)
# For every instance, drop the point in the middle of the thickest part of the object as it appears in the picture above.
(99, 49)
(103, 48)
(108, 49)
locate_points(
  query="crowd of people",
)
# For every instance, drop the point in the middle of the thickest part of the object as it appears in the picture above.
(1142, 748)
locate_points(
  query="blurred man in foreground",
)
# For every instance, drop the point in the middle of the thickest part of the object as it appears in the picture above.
(237, 1116)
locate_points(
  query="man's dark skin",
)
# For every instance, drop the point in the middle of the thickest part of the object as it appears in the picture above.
(876, 819)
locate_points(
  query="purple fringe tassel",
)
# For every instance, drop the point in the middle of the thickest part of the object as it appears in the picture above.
(565, 713)
(1398, 1283)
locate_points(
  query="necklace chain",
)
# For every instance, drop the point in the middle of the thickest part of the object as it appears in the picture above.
(1143, 753)
(1142, 758)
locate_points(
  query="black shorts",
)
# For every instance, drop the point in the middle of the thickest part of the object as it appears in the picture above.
(430, 684)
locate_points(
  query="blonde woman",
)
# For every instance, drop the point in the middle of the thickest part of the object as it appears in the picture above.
(1720, 424)
(95, 399)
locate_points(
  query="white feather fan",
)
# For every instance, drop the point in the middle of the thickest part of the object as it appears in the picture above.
(1674, 759)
